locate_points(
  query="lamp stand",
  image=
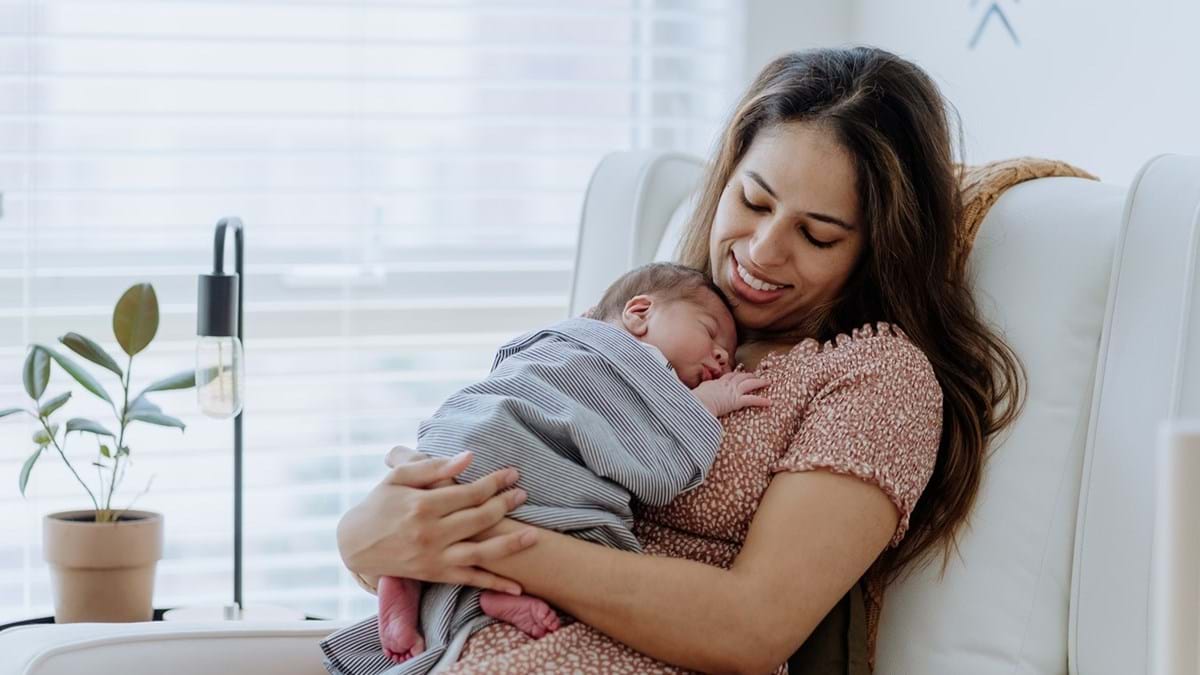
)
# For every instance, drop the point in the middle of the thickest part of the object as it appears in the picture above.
(215, 321)
(239, 270)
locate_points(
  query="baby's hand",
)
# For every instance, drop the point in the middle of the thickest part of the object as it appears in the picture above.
(731, 392)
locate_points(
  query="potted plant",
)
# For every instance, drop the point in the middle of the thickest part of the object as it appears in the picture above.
(102, 560)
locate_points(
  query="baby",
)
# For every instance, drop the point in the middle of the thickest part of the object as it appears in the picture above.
(616, 406)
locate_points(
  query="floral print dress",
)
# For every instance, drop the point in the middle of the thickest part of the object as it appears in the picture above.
(865, 404)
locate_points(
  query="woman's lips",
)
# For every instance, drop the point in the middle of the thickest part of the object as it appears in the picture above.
(746, 291)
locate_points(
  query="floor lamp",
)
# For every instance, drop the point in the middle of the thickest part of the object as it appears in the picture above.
(220, 377)
(219, 369)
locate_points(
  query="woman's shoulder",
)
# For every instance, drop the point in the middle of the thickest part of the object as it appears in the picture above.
(878, 347)
(873, 410)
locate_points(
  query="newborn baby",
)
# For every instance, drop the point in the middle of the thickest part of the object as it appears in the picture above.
(629, 395)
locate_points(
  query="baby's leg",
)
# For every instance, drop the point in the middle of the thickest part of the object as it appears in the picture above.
(532, 615)
(399, 604)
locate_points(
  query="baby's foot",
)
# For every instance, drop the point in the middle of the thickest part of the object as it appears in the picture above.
(533, 616)
(399, 602)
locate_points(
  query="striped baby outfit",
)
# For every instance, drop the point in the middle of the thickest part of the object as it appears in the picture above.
(592, 420)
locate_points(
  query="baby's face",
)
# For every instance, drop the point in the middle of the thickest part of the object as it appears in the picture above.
(696, 334)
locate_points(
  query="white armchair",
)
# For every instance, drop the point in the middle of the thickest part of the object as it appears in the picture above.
(1092, 285)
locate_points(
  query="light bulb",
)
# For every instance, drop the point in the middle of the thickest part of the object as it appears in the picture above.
(219, 376)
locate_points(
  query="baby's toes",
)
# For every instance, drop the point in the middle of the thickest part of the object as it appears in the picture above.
(548, 618)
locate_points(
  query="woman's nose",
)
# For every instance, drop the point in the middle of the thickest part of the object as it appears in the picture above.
(769, 245)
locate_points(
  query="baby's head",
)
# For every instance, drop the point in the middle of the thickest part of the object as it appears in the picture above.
(678, 310)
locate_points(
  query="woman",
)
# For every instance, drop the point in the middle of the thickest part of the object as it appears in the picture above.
(829, 218)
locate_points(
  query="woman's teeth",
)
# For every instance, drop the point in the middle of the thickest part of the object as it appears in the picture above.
(755, 282)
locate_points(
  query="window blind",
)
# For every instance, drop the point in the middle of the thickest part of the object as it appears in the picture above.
(411, 176)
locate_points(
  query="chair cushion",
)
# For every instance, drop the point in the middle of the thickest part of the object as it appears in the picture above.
(1006, 609)
(1040, 269)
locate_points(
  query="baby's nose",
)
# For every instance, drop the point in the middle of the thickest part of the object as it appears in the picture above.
(722, 359)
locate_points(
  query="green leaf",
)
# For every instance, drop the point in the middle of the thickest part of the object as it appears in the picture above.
(10, 411)
(104, 451)
(182, 380)
(54, 404)
(91, 351)
(36, 373)
(76, 371)
(42, 438)
(135, 318)
(155, 418)
(141, 403)
(81, 424)
(28, 468)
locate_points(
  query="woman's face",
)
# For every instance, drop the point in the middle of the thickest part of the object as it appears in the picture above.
(797, 242)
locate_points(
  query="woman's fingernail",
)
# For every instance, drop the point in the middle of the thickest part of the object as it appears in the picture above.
(460, 455)
(511, 478)
(513, 590)
(518, 497)
(528, 537)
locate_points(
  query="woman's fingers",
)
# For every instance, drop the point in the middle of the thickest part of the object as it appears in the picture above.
(477, 493)
(757, 401)
(473, 576)
(476, 554)
(467, 523)
(402, 454)
(422, 473)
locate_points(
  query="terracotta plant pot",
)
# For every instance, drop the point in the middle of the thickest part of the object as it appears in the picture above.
(102, 572)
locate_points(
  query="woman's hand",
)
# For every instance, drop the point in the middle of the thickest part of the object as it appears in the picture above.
(402, 454)
(418, 523)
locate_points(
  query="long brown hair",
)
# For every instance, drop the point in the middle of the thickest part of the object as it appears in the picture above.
(892, 119)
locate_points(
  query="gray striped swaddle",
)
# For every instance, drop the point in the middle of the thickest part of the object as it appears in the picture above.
(591, 419)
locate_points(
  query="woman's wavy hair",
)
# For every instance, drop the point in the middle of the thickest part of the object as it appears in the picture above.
(892, 119)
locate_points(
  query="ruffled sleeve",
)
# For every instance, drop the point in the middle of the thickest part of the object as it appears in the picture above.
(877, 416)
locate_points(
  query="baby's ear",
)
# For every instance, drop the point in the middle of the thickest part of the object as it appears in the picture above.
(636, 314)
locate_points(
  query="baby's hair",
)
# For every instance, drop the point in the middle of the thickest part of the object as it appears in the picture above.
(666, 281)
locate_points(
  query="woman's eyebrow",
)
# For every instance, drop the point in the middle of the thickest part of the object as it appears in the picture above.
(815, 216)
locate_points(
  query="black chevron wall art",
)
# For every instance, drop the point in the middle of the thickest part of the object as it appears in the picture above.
(993, 18)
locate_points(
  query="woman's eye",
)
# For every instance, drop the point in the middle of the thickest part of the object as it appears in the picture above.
(753, 207)
(816, 242)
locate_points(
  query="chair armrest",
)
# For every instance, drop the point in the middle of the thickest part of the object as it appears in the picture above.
(178, 648)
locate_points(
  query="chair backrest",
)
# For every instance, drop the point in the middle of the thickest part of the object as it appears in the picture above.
(1090, 283)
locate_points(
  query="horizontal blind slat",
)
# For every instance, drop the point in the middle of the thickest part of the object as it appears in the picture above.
(411, 175)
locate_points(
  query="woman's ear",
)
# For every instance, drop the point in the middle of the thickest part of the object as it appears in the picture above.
(636, 315)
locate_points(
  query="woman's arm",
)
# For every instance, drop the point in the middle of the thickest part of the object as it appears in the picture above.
(813, 536)
(417, 523)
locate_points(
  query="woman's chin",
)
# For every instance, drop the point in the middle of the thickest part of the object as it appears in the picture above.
(750, 317)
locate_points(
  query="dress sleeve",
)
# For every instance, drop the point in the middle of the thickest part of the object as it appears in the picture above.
(878, 417)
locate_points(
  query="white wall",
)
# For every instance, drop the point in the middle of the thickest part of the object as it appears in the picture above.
(1102, 84)
(777, 26)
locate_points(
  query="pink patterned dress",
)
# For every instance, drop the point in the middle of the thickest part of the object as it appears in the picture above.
(865, 404)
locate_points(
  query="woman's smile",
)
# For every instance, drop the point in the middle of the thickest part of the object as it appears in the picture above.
(749, 287)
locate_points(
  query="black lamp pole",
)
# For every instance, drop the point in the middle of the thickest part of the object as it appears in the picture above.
(218, 292)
